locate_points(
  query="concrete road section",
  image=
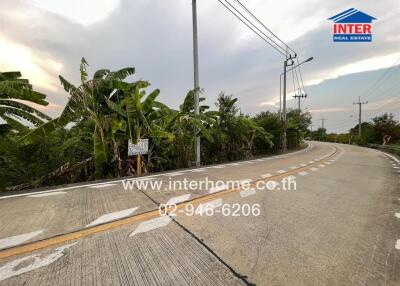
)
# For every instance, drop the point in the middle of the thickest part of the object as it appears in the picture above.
(67, 209)
(338, 224)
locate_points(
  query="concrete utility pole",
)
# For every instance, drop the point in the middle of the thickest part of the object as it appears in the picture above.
(323, 124)
(359, 103)
(285, 65)
(299, 97)
(280, 82)
(196, 75)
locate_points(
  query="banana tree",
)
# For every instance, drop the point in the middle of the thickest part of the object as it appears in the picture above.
(138, 116)
(186, 125)
(15, 94)
(88, 101)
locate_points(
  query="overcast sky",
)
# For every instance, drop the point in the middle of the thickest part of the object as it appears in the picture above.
(45, 38)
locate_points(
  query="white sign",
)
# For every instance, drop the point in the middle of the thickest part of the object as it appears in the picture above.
(142, 147)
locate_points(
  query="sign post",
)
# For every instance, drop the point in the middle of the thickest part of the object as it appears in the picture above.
(140, 148)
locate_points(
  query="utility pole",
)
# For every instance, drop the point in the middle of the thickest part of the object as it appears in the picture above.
(196, 75)
(299, 97)
(323, 124)
(280, 81)
(285, 65)
(359, 103)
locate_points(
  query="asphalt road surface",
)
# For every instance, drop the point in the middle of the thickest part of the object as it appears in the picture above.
(325, 215)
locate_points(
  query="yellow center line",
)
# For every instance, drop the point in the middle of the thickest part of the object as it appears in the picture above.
(46, 242)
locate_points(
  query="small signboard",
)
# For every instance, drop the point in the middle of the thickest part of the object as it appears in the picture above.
(142, 147)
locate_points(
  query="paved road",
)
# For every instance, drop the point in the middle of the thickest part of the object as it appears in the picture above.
(339, 226)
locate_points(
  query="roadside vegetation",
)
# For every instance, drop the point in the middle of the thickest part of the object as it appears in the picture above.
(373, 132)
(89, 139)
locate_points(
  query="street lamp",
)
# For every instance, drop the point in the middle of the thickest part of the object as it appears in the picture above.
(280, 84)
(285, 65)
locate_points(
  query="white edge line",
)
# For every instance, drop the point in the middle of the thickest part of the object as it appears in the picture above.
(310, 146)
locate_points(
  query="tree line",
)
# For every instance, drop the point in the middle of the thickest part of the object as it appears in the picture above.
(89, 140)
(382, 129)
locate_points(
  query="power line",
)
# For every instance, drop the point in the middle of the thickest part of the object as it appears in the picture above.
(263, 36)
(262, 24)
(380, 80)
(301, 77)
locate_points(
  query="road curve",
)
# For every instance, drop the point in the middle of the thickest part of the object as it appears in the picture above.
(339, 226)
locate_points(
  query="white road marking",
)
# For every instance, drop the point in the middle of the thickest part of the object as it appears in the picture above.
(303, 173)
(328, 163)
(174, 174)
(218, 188)
(293, 167)
(112, 216)
(320, 165)
(18, 239)
(197, 170)
(102, 186)
(247, 193)
(36, 261)
(397, 215)
(396, 167)
(259, 160)
(311, 162)
(178, 199)
(314, 169)
(217, 167)
(151, 224)
(46, 195)
(249, 162)
(397, 244)
(303, 165)
(309, 147)
(281, 171)
(390, 156)
(266, 175)
(202, 208)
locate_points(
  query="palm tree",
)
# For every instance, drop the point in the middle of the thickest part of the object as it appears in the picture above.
(15, 93)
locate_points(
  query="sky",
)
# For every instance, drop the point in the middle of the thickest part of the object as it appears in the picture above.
(47, 38)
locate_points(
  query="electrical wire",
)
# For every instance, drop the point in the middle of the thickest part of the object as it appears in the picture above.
(260, 33)
(262, 24)
(382, 79)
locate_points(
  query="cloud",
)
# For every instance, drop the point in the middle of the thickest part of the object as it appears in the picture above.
(155, 37)
(85, 12)
(40, 71)
(324, 110)
(369, 64)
